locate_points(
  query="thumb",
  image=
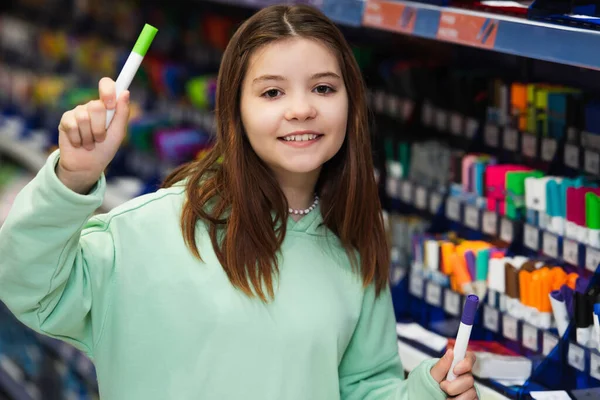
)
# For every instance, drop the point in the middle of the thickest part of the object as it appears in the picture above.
(441, 368)
(121, 118)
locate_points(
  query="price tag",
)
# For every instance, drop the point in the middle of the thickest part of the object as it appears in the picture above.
(393, 105)
(550, 245)
(530, 337)
(506, 230)
(452, 302)
(453, 209)
(592, 162)
(407, 109)
(492, 135)
(549, 147)
(571, 252)
(406, 192)
(421, 198)
(572, 156)
(441, 120)
(549, 343)
(435, 202)
(416, 285)
(456, 124)
(490, 223)
(491, 318)
(592, 259)
(576, 357)
(391, 186)
(471, 128)
(472, 217)
(529, 145)
(433, 294)
(427, 114)
(595, 366)
(510, 140)
(491, 297)
(531, 237)
(510, 327)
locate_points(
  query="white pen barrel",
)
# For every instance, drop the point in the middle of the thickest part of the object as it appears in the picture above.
(460, 348)
(124, 80)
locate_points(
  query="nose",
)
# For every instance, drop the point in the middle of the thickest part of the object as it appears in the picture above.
(301, 109)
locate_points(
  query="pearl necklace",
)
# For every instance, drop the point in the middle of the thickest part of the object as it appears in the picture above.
(305, 211)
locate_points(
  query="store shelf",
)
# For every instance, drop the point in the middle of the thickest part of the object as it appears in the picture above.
(32, 159)
(518, 36)
(412, 357)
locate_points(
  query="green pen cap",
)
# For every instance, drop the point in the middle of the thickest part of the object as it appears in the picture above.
(592, 210)
(145, 40)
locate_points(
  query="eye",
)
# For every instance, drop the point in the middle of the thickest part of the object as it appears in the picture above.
(271, 93)
(324, 89)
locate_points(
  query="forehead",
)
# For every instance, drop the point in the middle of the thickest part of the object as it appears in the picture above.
(293, 56)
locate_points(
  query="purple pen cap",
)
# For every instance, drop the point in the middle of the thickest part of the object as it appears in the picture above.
(470, 309)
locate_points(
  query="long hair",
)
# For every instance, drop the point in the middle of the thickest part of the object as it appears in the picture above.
(236, 195)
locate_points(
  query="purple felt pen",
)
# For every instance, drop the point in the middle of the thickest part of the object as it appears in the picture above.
(464, 333)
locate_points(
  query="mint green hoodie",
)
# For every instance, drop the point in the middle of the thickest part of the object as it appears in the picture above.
(160, 324)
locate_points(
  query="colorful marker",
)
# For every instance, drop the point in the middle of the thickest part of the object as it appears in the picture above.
(464, 333)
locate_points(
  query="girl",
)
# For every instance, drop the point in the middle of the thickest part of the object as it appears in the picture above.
(261, 277)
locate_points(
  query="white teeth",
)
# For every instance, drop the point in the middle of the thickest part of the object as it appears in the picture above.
(300, 138)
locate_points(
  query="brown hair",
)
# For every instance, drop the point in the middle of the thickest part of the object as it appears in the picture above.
(236, 194)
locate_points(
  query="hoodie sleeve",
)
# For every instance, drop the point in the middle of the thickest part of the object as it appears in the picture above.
(56, 263)
(371, 369)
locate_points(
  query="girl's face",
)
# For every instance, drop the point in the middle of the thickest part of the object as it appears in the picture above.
(294, 106)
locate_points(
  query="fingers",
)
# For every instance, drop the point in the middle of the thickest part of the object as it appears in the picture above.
(459, 386)
(82, 117)
(108, 93)
(441, 368)
(121, 117)
(470, 394)
(97, 113)
(465, 365)
(68, 126)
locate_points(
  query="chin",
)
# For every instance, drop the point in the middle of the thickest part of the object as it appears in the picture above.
(301, 168)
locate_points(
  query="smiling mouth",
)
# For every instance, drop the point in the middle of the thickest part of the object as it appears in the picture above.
(305, 137)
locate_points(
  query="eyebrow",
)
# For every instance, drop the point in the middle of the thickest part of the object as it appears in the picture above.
(318, 75)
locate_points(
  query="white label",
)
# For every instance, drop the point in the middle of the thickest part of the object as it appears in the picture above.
(392, 187)
(572, 156)
(416, 285)
(452, 302)
(490, 318)
(592, 259)
(490, 223)
(491, 135)
(471, 128)
(407, 109)
(550, 245)
(571, 252)
(510, 327)
(456, 124)
(591, 162)
(441, 120)
(530, 337)
(550, 342)
(427, 115)
(529, 145)
(435, 202)
(595, 366)
(506, 230)
(433, 294)
(393, 105)
(531, 237)
(453, 209)
(472, 217)
(491, 297)
(576, 357)
(510, 140)
(421, 198)
(549, 147)
(406, 192)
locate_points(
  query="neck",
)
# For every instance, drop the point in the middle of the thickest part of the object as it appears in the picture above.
(299, 189)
